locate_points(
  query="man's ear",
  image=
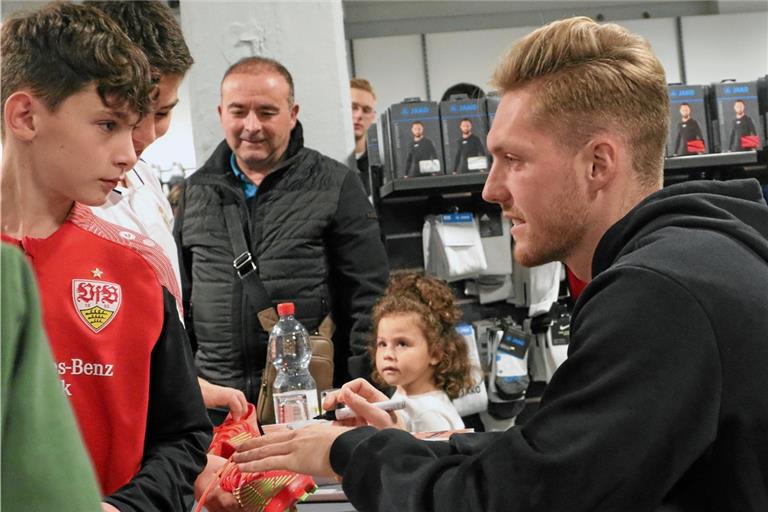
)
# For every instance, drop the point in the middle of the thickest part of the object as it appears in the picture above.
(19, 115)
(294, 114)
(600, 160)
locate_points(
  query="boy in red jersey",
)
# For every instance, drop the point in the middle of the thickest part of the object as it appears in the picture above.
(73, 88)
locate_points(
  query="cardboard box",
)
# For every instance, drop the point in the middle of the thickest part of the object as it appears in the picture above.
(464, 130)
(738, 116)
(688, 121)
(414, 131)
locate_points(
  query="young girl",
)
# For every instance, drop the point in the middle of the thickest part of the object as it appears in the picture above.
(418, 351)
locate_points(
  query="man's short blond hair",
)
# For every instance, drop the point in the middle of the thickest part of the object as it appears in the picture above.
(591, 78)
(363, 85)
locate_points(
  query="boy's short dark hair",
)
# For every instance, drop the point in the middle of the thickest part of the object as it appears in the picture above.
(152, 26)
(62, 48)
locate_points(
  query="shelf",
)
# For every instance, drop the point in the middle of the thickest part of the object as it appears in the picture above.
(694, 162)
(447, 184)
(434, 185)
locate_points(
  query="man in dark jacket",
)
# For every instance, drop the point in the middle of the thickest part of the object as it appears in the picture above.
(469, 146)
(309, 228)
(742, 126)
(421, 149)
(661, 404)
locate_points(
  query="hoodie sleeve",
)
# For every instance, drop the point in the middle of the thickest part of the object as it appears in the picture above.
(617, 426)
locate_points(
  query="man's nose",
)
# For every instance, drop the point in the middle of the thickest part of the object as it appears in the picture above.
(252, 123)
(494, 190)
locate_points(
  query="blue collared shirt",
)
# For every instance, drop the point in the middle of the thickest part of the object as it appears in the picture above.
(249, 189)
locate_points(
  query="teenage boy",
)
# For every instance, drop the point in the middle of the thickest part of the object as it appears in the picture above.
(73, 89)
(138, 202)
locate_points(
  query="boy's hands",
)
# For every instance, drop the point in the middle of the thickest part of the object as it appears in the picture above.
(217, 500)
(220, 396)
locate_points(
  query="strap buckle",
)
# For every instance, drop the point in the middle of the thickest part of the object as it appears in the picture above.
(244, 264)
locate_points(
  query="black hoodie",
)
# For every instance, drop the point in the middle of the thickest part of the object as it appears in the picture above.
(662, 403)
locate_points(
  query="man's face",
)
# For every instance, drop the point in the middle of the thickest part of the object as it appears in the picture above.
(466, 127)
(685, 112)
(534, 180)
(156, 123)
(83, 149)
(738, 107)
(417, 130)
(256, 118)
(363, 111)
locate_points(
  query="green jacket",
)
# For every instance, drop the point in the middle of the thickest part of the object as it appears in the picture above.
(44, 464)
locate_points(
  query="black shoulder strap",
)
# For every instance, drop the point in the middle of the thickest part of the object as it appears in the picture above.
(246, 268)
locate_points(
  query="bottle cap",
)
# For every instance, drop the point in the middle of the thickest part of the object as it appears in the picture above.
(285, 308)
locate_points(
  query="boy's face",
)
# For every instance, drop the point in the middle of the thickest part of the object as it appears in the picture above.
(155, 124)
(81, 151)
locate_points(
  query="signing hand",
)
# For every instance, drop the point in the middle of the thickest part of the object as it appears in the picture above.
(306, 451)
(358, 396)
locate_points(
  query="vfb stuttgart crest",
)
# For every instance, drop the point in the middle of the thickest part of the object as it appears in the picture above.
(97, 302)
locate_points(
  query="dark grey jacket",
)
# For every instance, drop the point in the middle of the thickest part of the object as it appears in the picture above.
(316, 240)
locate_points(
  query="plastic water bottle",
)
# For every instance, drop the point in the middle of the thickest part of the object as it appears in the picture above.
(294, 391)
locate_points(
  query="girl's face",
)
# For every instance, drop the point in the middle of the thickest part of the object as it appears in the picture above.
(403, 358)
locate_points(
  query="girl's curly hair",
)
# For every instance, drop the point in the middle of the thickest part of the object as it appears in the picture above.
(434, 305)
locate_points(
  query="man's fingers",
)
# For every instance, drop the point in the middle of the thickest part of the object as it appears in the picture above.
(364, 389)
(282, 461)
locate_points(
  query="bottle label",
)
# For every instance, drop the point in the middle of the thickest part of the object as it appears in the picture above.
(297, 405)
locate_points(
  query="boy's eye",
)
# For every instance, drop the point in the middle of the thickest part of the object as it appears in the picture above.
(161, 114)
(107, 126)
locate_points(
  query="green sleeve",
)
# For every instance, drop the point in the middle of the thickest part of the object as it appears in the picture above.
(44, 464)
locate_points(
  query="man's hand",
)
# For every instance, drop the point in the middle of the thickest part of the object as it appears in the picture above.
(220, 396)
(217, 500)
(358, 396)
(306, 451)
(106, 507)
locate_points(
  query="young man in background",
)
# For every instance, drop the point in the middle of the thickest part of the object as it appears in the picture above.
(363, 116)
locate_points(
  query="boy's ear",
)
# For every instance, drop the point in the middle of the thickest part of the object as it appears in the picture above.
(19, 115)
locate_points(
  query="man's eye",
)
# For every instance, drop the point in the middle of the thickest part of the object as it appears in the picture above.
(161, 115)
(107, 126)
